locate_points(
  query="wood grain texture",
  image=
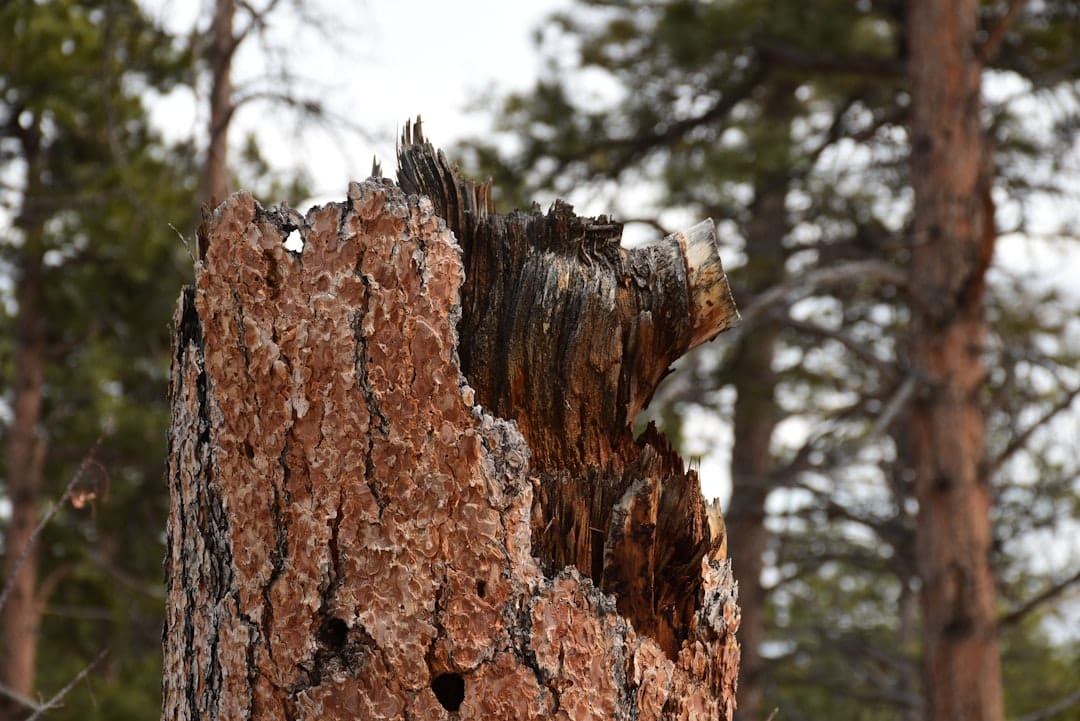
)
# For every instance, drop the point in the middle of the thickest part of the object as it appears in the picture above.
(568, 333)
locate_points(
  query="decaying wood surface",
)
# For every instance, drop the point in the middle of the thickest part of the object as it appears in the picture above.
(359, 530)
(568, 334)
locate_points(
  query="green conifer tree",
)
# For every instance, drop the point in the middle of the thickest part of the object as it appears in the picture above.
(90, 268)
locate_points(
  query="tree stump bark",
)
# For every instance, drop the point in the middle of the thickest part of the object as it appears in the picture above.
(359, 529)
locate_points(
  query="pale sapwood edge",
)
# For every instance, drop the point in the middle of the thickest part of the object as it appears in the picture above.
(711, 304)
(717, 530)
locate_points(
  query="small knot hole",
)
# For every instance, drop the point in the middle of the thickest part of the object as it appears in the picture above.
(449, 688)
(332, 634)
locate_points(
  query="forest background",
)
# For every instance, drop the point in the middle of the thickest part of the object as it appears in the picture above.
(786, 122)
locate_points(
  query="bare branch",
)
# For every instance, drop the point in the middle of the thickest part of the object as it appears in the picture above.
(54, 702)
(256, 23)
(308, 106)
(24, 701)
(859, 350)
(899, 399)
(25, 552)
(993, 40)
(1053, 709)
(651, 222)
(311, 108)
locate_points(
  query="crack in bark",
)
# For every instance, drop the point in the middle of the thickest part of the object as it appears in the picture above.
(280, 552)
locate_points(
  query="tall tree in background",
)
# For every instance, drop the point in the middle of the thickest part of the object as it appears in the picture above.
(714, 107)
(19, 616)
(94, 265)
(221, 49)
(91, 190)
(953, 245)
(232, 27)
(689, 117)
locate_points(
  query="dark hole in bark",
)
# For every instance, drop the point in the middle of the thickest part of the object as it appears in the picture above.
(481, 588)
(332, 634)
(449, 688)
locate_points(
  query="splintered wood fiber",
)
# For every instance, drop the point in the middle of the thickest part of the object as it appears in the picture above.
(349, 534)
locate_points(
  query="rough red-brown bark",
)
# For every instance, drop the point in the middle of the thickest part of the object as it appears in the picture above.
(954, 241)
(352, 533)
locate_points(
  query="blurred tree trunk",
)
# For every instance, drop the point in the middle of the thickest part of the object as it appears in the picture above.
(756, 411)
(20, 616)
(352, 531)
(754, 422)
(953, 245)
(222, 48)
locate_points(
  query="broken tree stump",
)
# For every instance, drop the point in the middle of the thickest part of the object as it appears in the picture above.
(360, 530)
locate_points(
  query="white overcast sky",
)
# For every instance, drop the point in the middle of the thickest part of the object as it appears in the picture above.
(379, 63)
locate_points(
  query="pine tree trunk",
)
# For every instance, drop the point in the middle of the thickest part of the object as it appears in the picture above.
(20, 616)
(757, 410)
(755, 416)
(360, 531)
(215, 180)
(954, 241)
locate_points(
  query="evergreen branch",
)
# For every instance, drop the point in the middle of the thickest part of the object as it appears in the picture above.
(1020, 441)
(879, 693)
(850, 64)
(1062, 704)
(638, 145)
(1037, 600)
(811, 281)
